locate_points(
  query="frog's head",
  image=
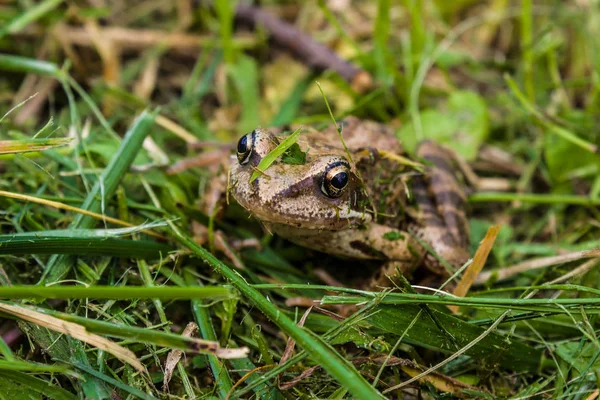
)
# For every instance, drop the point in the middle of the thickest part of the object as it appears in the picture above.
(324, 193)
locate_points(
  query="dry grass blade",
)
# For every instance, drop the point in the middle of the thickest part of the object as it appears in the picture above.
(66, 207)
(136, 39)
(544, 262)
(75, 331)
(175, 355)
(476, 266)
(29, 145)
(441, 382)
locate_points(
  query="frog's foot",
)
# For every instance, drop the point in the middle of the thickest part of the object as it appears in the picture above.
(441, 218)
(390, 274)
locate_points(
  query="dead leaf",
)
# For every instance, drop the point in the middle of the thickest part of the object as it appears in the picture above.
(75, 331)
(175, 355)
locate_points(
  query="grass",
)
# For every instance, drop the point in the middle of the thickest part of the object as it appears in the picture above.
(101, 269)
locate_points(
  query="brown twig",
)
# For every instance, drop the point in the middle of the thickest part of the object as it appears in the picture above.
(304, 47)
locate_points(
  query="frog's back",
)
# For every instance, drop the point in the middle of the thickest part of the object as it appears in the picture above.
(358, 135)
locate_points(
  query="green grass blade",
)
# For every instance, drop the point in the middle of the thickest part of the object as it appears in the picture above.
(29, 145)
(275, 154)
(552, 127)
(34, 384)
(28, 65)
(245, 78)
(323, 354)
(107, 183)
(32, 14)
(558, 199)
(290, 107)
(42, 243)
(115, 293)
(219, 370)
(114, 383)
(26, 366)
(381, 52)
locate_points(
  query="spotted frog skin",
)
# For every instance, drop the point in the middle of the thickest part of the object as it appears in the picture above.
(357, 202)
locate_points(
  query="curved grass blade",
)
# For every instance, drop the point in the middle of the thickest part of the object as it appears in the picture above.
(107, 183)
(320, 351)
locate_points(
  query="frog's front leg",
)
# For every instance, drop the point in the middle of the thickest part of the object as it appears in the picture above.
(399, 250)
(441, 207)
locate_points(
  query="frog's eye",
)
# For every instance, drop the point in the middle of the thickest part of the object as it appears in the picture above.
(335, 179)
(244, 147)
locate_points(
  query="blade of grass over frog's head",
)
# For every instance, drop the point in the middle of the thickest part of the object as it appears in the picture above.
(106, 185)
(29, 145)
(275, 153)
(321, 352)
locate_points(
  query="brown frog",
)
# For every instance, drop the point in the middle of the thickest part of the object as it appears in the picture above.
(360, 200)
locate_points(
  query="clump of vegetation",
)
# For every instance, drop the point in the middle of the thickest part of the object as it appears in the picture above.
(115, 118)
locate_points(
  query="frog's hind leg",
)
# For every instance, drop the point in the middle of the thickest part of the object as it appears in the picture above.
(442, 218)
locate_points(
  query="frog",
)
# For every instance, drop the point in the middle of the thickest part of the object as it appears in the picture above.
(360, 197)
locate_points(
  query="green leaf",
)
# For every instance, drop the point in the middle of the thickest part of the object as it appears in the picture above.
(581, 357)
(494, 349)
(391, 236)
(294, 155)
(463, 127)
(564, 157)
(275, 153)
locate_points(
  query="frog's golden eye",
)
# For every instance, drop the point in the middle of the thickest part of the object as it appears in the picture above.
(244, 147)
(335, 179)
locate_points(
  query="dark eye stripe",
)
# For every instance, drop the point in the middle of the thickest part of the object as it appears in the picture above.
(336, 164)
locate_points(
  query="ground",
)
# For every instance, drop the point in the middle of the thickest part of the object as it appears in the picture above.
(114, 120)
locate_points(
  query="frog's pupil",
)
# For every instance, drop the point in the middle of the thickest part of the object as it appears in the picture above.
(242, 146)
(339, 180)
